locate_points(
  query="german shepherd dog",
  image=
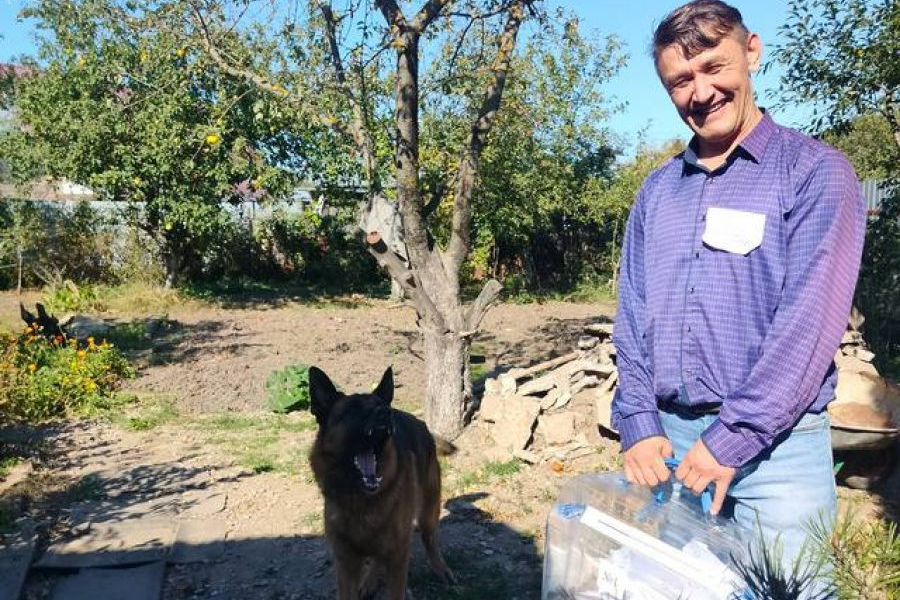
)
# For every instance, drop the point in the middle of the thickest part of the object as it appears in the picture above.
(378, 471)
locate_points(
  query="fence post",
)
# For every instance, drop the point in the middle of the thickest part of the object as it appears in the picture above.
(19, 258)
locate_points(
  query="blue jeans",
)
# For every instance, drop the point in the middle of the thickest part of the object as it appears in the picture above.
(782, 490)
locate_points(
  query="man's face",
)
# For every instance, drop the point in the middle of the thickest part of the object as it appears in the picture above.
(712, 90)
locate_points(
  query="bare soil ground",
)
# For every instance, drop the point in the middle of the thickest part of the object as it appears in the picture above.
(202, 396)
(198, 438)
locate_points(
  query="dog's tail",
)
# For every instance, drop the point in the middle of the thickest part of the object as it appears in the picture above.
(443, 447)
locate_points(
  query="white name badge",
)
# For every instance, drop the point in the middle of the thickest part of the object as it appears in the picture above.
(736, 231)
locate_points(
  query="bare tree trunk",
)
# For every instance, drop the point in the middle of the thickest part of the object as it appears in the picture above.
(448, 389)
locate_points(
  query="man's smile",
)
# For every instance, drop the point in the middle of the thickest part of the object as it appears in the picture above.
(706, 111)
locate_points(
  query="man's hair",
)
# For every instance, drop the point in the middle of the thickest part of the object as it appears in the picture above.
(697, 26)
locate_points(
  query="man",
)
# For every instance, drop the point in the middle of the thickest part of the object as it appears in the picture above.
(737, 274)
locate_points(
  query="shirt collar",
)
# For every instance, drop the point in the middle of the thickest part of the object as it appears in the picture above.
(753, 145)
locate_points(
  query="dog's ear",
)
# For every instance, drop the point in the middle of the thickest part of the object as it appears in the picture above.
(322, 394)
(26, 316)
(43, 316)
(385, 389)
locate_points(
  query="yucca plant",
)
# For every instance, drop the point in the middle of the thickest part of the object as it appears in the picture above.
(768, 578)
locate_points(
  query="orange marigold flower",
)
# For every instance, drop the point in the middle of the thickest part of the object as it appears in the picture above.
(81, 354)
(32, 367)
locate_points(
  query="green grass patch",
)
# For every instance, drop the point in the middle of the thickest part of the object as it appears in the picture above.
(245, 292)
(142, 412)
(7, 463)
(263, 443)
(86, 489)
(128, 336)
(486, 473)
(586, 292)
(477, 364)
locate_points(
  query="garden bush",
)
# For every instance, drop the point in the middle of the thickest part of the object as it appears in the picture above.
(43, 378)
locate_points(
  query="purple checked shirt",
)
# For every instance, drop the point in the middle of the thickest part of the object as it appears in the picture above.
(735, 288)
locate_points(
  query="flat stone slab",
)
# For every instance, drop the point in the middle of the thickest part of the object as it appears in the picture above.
(16, 551)
(113, 544)
(134, 583)
(199, 541)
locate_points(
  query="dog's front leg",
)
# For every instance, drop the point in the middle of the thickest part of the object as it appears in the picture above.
(348, 568)
(397, 571)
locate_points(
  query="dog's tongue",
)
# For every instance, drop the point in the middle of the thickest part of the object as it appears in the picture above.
(365, 462)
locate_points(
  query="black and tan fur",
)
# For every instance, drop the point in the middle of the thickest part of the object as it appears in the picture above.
(377, 468)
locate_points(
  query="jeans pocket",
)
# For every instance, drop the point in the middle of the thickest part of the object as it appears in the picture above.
(812, 422)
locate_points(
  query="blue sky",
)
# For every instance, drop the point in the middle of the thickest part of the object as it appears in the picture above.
(632, 20)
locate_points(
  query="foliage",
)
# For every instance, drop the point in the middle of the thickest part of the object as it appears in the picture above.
(870, 146)
(289, 389)
(141, 118)
(547, 147)
(41, 379)
(69, 297)
(865, 556)
(840, 56)
(879, 282)
(307, 246)
(56, 242)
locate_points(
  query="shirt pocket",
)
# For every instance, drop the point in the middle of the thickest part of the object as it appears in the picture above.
(734, 231)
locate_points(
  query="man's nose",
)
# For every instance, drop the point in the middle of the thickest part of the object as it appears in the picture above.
(704, 92)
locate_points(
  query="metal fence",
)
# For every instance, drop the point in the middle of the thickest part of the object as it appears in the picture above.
(874, 193)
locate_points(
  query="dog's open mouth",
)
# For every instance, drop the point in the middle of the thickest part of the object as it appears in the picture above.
(367, 465)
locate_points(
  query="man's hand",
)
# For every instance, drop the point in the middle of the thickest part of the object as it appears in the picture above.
(644, 461)
(699, 468)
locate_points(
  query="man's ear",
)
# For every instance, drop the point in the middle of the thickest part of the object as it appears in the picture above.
(385, 389)
(754, 52)
(322, 394)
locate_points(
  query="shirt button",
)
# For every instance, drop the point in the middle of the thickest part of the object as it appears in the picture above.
(688, 372)
(696, 255)
(688, 328)
(692, 290)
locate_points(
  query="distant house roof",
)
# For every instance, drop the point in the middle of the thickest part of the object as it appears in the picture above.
(44, 191)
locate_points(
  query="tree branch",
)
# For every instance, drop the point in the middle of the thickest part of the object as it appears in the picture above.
(358, 126)
(392, 13)
(488, 295)
(461, 234)
(428, 13)
(397, 270)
